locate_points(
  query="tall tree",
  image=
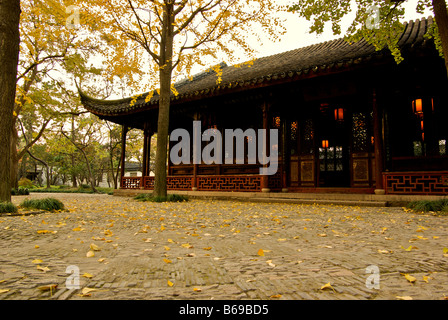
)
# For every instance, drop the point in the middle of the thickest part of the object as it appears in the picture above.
(377, 21)
(9, 56)
(50, 50)
(178, 35)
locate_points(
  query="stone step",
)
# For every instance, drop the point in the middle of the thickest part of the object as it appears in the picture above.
(363, 203)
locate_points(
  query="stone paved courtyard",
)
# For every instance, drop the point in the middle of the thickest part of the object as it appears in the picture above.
(205, 249)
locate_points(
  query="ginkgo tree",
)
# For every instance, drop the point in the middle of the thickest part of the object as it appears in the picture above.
(176, 36)
(379, 22)
(51, 53)
(9, 55)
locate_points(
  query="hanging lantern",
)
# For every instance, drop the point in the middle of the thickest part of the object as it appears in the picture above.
(325, 144)
(421, 125)
(417, 106)
(339, 114)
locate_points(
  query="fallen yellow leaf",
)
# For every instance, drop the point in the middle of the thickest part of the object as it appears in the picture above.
(45, 231)
(37, 261)
(167, 261)
(260, 253)
(197, 289)
(77, 229)
(44, 269)
(327, 286)
(409, 248)
(49, 287)
(167, 248)
(87, 292)
(410, 278)
(276, 296)
(208, 248)
(3, 290)
(87, 275)
(94, 247)
(170, 284)
(36, 247)
(404, 298)
(426, 279)
(90, 254)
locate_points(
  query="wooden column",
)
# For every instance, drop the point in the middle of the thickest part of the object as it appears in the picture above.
(194, 182)
(285, 154)
(124, 130)
(145, 155)
(378, 145)
(265, 178)
(148, 154)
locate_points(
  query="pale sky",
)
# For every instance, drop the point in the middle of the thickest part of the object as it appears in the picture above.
(298, 35)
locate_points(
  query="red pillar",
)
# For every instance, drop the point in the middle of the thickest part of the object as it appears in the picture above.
(378, 145)
(265, 178)
(145, 156)
(124, 130)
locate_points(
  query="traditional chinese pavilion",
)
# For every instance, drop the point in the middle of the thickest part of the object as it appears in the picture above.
(350, 119)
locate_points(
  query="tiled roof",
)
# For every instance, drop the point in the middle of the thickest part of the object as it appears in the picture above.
(302, 62)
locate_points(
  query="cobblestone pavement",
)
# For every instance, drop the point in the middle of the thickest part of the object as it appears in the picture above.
(211, 250)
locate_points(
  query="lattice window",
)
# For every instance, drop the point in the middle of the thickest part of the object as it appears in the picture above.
(307, 140)
(360, 132)
(442, 147)
(294, 127)
(276, 122)
(293, 137)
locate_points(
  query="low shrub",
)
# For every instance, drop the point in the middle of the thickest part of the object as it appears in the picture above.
(20, 191)
(169, 198)
(24, 182)
(177, 198)
(47, 204)
(440, 205)
(7, 207)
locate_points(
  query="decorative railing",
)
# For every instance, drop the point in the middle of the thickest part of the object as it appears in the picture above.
(131, 182)
(434, 183)
(148, 183)
(229, 183)
(179, 182)
(203, 183)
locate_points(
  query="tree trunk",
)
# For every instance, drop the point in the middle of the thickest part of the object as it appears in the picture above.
(14, 159)
(72, 156)
(441, 16)
(9, 57)
(166, 67)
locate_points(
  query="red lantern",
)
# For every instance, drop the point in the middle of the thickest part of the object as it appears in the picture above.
(339, 114)
(417, 106)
